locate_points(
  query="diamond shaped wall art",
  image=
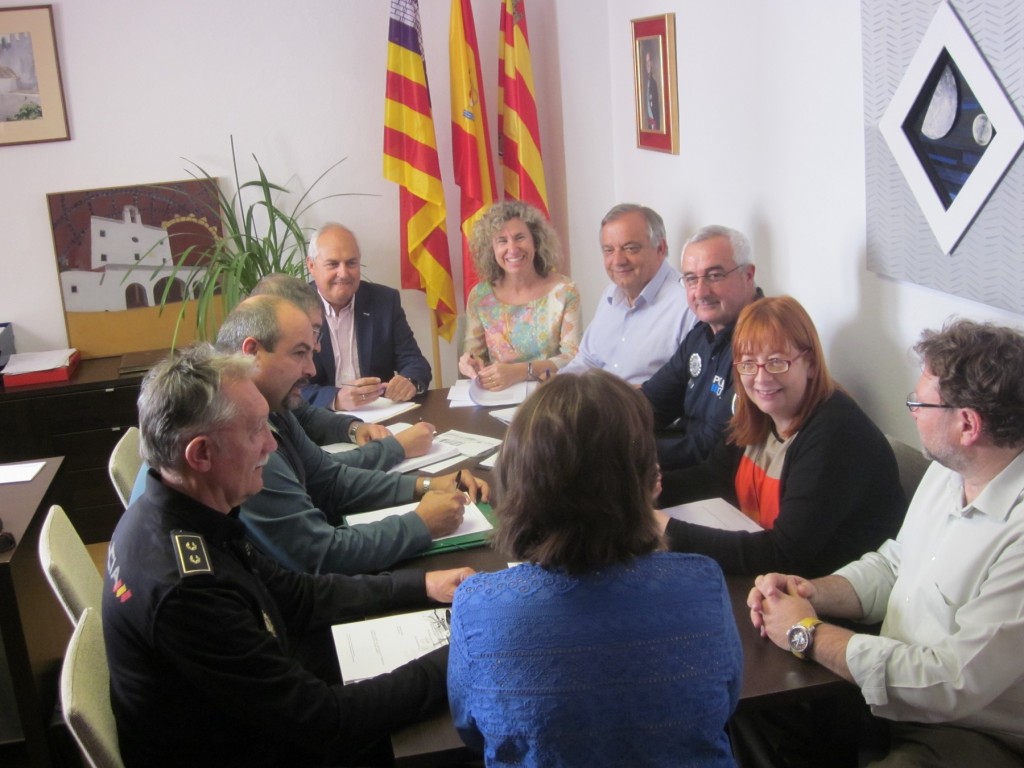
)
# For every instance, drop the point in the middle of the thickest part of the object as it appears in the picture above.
(951, 128)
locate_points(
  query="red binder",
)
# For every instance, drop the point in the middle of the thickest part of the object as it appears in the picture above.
(64, 373)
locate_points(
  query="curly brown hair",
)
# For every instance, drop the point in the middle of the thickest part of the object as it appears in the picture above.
(547, 251)
(980, 366)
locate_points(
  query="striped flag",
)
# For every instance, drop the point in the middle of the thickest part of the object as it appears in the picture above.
(518, 129)
(471, 142)
(410, 160)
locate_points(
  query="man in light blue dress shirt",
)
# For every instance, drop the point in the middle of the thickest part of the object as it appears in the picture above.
(642, 317)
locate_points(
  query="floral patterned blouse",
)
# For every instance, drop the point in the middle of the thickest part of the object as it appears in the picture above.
(547, 328)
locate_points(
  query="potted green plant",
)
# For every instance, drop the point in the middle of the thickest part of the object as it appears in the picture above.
(258, 237)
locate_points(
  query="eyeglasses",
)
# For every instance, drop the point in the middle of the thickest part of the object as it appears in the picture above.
(773, 365)
(711, 276)
(914, 406)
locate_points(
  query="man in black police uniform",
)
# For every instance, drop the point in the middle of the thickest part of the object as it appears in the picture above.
(692, 393)
(205, 635)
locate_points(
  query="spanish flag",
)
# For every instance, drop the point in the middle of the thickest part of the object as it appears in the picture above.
(410, 160)
(518, 130)
(471, 142)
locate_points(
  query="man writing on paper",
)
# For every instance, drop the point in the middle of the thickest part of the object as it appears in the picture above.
(298, 516)
(217, 655)
(366, 346)
(947, 669)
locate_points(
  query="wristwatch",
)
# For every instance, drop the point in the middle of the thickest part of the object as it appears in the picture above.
(529, 372)
(352, 429)
(801, 636)
(426, 486)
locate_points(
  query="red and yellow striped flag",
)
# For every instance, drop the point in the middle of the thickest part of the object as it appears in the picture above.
(518, 129)
(410, 160)
(471, 142)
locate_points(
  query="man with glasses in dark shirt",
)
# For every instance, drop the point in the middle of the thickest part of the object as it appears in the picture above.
(692, 393)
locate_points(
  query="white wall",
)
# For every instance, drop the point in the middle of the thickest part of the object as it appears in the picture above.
(771, 143)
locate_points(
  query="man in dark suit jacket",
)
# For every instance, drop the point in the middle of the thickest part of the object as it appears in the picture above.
(378, 354)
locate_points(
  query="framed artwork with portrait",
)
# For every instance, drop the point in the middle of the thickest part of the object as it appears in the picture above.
(654, 78)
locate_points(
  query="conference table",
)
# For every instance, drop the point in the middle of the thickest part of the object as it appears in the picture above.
(771, 676)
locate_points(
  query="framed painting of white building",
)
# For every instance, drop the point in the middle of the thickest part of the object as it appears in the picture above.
(119, 250)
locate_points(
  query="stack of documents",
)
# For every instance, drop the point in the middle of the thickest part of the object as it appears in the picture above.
(438, 452)
(27, 368)
(465, 392)
(381, 409)
(376, 646)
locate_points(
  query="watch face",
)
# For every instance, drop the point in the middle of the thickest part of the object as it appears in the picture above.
(799, 639)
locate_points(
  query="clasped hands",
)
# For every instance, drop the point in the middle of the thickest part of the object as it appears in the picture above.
(493, 377)
(777, 602)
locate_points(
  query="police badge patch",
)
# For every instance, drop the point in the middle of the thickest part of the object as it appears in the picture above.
(695, 365)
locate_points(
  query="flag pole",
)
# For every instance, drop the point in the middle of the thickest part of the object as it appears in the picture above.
(435, 347)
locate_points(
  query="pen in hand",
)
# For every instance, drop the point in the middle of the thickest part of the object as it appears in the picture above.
(459, 485)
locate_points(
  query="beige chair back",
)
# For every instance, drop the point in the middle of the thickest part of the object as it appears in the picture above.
(124, 464)
(85, 693)
(912, 465)
(68, 565)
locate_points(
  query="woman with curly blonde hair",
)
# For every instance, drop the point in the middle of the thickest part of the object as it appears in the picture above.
(523, 317)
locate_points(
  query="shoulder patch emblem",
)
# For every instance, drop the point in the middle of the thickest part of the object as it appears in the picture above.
(191, 554)
(695, 365)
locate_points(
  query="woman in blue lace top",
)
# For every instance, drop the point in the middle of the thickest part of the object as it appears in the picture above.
(523, 317)
(600, 649)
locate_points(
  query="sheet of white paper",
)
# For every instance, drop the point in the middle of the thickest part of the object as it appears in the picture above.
(714, 513)
(513, 395)
(443, 466)
(382, 409)
(20, 473)
(490, 461)
(504, 415)
(468, 444)
(339, 447)
(376, 646)
(30, 362)
(473, 520)
(458, 395)
(437, 452)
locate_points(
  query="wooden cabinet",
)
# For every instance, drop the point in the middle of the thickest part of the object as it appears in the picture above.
(81, 420)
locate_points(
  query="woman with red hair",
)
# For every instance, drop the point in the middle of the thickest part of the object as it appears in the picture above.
(800, 458)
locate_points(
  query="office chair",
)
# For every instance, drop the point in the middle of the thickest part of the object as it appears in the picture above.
(85, 693)
(912, 465)
(68, 565)
(124, 464)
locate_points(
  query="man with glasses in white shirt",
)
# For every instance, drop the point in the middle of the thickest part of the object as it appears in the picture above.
(692, 393)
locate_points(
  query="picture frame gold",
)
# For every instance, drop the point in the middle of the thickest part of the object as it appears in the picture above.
(654, 79)
(31, 91)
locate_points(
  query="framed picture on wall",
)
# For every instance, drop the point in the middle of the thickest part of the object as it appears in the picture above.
(31, 93)
(119, 250)
(654, 78)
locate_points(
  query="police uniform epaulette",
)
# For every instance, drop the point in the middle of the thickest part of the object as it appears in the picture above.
(191, 553)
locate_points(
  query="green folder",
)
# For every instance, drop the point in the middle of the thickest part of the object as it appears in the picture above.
(470, 540)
